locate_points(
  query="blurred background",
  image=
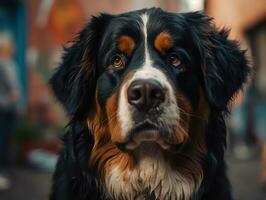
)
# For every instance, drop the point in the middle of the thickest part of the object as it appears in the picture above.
(31, 37)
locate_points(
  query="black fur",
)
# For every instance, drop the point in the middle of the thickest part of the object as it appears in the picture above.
(224, 65)
(223, 70)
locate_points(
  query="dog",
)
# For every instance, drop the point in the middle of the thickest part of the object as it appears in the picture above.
(146, 93)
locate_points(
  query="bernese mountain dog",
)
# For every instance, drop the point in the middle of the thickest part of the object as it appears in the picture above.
(146, 93)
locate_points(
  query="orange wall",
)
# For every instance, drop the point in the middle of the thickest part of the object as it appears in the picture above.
(239, 15)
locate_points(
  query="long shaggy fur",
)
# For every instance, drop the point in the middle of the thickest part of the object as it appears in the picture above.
(85, 169)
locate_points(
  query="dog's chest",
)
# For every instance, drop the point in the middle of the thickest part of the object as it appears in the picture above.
(151, 178)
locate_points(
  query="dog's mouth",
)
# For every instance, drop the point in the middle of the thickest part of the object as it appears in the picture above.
(146, 133)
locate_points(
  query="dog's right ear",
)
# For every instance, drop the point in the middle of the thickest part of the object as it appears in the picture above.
(74, 81)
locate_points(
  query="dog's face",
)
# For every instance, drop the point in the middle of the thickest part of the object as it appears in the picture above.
(147, 81)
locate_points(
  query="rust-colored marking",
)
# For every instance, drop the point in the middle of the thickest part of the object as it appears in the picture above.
(163, 42)
(126, 44)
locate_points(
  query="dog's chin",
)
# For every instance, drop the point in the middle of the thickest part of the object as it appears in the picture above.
(146, 137)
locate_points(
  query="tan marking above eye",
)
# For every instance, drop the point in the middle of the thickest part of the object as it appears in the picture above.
(126, 44)
(163, 42)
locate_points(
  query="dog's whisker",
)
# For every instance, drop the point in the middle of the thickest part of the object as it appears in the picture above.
(190, 114)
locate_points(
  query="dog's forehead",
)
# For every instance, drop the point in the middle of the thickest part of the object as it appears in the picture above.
(139, 27)
(133, 23)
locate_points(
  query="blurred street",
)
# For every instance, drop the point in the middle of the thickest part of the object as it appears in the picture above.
(28, 184)
(245, 180)
(34, 185)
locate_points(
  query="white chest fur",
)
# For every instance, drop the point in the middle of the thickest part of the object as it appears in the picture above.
(151, 173)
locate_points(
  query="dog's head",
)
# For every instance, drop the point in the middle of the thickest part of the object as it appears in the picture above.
(148, 78)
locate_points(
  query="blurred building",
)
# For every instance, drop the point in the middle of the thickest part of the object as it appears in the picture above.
(239, 15)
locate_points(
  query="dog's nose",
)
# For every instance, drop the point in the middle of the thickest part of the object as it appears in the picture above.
(145, 94)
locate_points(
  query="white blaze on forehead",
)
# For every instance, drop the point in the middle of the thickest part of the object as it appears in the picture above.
(145, 19)
(147, 71)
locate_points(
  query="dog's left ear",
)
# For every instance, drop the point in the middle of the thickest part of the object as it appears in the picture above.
(75, 80)
(224, 66)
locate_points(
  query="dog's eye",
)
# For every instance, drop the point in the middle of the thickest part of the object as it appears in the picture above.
(118, 61)
(174, 60)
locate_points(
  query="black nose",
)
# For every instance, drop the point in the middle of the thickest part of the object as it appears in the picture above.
(145, 94)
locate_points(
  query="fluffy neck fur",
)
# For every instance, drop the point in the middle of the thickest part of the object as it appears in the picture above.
(152, 175)
(149, 170)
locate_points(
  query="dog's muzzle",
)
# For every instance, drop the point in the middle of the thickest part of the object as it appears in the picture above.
(145, 94)
(148, 103)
